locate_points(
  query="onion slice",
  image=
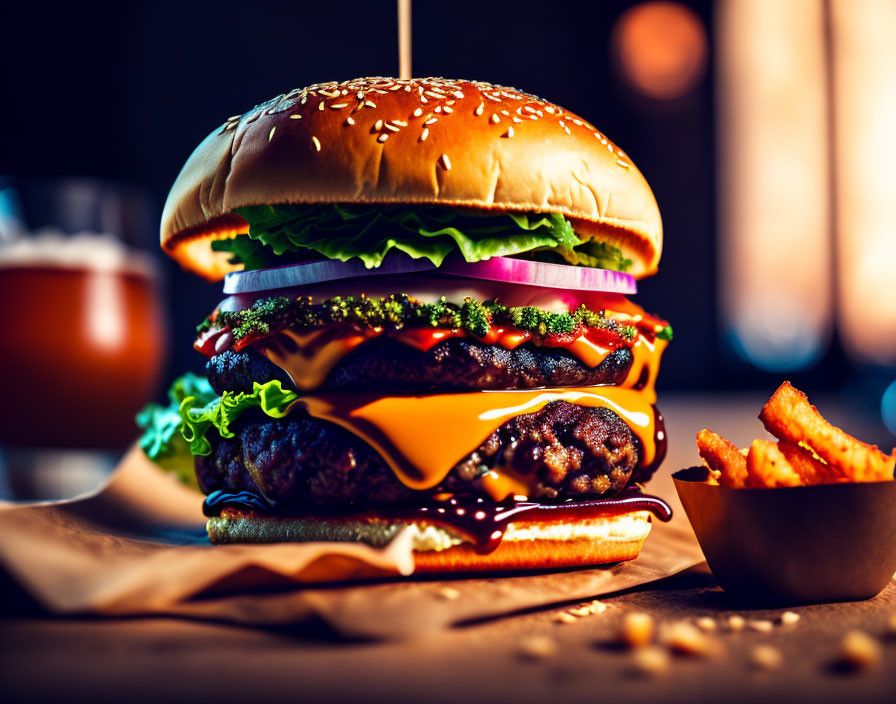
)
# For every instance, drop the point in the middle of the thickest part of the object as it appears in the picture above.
(505, 269)
(542, 274)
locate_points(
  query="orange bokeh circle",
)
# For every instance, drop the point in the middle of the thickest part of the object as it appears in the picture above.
(660, 49)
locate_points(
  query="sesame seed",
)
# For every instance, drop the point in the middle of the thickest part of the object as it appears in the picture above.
(445, 162)
(400, 123)
(383, 137)
(370, 103)
(529, 109)
(320, 105)
(295, 117)
(549, 109)
(504, 112)
(338, 106)
(391, 128)
(566, 129)
(271, 135)
(610, 147)
(316, 142)
(431, 121)
(418, 112)
(438, 109)
(508, 133)
(424, 134)
(378, 125)
(516, 119)
(448, 109)
(492, 98)
(349, 120)
(495, 118)
(623, 164)
(478, 111)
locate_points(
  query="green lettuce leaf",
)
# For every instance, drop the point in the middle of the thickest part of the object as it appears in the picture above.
(599, 255)
(162, 439)
(300, 233)
(174, 434)
(198, 418)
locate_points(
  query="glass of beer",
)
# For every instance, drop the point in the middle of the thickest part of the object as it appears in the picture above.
(83, 336)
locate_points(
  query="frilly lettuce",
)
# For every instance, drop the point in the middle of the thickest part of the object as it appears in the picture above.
(162, 439)
(174, 434)
(199, 418)
(368, 232)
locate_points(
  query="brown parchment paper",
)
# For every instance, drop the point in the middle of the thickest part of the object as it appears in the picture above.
(138, 547)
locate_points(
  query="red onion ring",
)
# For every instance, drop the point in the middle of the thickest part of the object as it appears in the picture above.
(505, 269)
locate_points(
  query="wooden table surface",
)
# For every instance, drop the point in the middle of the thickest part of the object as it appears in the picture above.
(43, 658)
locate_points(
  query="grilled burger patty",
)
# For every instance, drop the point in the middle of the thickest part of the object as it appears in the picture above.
(300, 461)
(456, 363)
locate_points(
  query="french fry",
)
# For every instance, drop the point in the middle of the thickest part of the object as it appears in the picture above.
(810, 469)
(788, 415)
(767, 467)
(724, 458)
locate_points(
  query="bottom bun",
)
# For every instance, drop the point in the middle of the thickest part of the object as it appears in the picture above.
(526, 544)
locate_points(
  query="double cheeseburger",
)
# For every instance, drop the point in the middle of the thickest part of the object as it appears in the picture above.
(425, 326)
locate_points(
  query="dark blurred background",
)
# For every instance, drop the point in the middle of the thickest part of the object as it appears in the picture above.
(123, 92)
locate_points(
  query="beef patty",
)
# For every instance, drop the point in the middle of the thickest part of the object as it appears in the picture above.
(456, 363)
(300, 461)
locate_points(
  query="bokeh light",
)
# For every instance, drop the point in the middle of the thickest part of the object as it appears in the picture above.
(660, 49)
(774, 188)
(888, 407)
(865, 114)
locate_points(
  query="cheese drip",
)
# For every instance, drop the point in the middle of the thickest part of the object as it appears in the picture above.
(423, 437)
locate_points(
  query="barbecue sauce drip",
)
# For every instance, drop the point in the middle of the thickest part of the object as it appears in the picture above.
(482, 521)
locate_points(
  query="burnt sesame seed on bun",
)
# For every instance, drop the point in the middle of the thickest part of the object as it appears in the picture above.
(416, 141)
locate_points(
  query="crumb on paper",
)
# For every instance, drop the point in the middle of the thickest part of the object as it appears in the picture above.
(762, 625)
(859, 651)
(589, 609)
(789, 618)
(705, 623)
(564, 617)
(537, 648)
(766, 657)
(685, 639)
(650, 661)
(736, 623)
(449, 593)
(637, 629)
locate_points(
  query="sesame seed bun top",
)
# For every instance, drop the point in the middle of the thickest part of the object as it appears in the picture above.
(421, 140)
